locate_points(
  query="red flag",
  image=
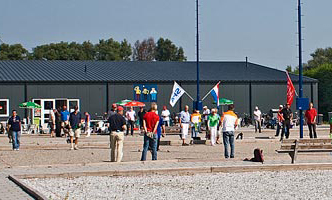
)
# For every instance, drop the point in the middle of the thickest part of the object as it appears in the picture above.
(290, 90)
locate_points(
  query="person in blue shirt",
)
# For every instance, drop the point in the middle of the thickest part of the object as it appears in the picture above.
(160, 131)
(14, 125)
(65, 119)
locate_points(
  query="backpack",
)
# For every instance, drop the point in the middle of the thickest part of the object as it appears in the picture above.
(258, 156)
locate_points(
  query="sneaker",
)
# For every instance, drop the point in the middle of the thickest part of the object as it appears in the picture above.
(76, 147)
(185, 144)
(17, 149)
(87, 136)
(72, 148)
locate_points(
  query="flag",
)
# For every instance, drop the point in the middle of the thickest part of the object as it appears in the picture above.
(290, 90)
(177, 92)
(215, 93)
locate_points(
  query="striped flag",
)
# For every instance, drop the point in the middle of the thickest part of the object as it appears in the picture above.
(215, 93)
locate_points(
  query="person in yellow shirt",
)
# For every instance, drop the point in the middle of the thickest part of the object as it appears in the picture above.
(196, 120)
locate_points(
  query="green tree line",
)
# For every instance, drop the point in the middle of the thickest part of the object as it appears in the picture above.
(110, 50)
(320, 68)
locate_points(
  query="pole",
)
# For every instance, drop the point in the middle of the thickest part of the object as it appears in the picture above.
(197, 54)
(300, 64)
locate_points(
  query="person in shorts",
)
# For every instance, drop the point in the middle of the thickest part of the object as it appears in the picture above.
(74, 127)
(184, 124)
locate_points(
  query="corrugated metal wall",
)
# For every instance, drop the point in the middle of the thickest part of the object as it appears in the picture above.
(93, 96)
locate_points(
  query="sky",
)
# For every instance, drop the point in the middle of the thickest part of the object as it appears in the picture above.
(265, 31)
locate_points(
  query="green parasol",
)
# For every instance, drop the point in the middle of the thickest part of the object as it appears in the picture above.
(224, 101)
(29, 105)
(123, 102)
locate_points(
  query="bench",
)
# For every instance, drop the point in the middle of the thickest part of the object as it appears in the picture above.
(293, 147)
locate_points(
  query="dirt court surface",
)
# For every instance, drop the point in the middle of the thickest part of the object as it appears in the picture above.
(43, 150)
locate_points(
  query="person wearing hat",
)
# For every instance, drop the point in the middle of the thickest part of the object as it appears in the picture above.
(117, 126)
(258, 119)
(112, 111)
(286, 123)
(280, 119)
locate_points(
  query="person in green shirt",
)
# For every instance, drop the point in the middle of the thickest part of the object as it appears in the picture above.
(213, 122)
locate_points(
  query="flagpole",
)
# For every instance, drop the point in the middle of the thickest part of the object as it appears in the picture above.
(300, 64)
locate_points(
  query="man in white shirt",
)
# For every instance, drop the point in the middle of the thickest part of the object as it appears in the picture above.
(258, 119)
(229, 122)
(131, 117)
(165, 115)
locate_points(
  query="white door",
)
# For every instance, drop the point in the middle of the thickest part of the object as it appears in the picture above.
(47, 108)
(72, 103)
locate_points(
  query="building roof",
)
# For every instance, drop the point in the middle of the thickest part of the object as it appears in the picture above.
(135, 71)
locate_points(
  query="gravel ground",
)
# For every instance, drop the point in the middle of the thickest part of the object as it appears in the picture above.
(254, 185)
(132, 150)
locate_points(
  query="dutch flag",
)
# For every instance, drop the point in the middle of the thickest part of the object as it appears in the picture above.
(215, 93)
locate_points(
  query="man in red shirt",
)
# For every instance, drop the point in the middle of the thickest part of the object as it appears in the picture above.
(311, 116)
(150, 125)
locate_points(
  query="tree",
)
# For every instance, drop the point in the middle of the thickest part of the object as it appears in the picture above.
(88, 50)
(323, 73)
(319, 57)
(125, 50)
(180, 55)
(289, 68)
(167, 51)
(108, 50)
(145, 50)
(13, 52)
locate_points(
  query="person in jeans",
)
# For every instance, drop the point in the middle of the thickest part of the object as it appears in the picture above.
(131, 116)
(311, 116)
(75, 127)
(58, 122)
(165, 114)
(229, 123)
(141, 114)
(184, 124)
(280, 119)
(195, 124)
(213, 123)
(286, 123)
(161, 131)
(258, 119)
(150, 125)
(14, 123)
(117, 126)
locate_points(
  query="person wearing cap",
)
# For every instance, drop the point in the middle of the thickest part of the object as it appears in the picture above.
(286, 123)
(112, 111)
(205, 115)
(117, 126)
(280, 119)
(258, 119)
